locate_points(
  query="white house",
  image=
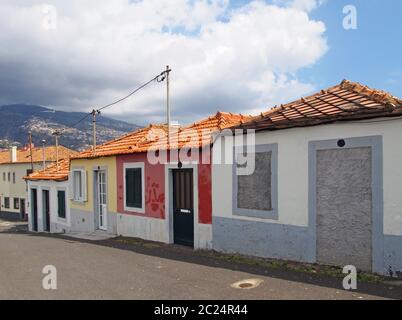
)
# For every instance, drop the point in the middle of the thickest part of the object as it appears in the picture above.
(327, 182)
(15, 164)
(48, 194)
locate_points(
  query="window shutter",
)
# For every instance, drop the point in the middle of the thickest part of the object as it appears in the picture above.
(71, 185)
(84, 185)
(134, 188)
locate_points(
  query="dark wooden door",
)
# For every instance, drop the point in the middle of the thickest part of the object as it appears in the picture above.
(183, 207)
(34, 209)
(22, 209)
(46, 210)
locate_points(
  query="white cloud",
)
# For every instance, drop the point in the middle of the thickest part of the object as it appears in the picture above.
(239, 60)
(305, 5)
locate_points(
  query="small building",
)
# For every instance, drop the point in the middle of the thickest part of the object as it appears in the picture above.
(15, 164)
(326, 184)
(142, 186)
(48, 194)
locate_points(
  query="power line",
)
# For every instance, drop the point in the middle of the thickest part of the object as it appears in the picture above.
(159, 78)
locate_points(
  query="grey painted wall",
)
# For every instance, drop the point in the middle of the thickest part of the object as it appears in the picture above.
(344, 213)
(393, 255)
(260, 239)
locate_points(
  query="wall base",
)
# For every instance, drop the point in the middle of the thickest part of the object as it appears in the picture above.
(266, 240)
(146, 228)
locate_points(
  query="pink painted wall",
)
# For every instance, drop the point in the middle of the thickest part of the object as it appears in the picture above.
(155, 188)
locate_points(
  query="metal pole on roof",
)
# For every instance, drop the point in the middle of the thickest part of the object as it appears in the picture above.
(30, 149)
(43, 154)
(56, 135)
(168, 101)
(94, 113)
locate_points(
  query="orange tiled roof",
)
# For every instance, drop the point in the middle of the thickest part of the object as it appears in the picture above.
(52, 172)
(155, 136)
(199, 134)
(24, 155)
(346, 101)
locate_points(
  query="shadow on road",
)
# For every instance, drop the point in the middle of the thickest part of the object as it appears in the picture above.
(225, 261)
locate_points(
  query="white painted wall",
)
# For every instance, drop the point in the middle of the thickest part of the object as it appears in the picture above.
(17, 189)
(293, 149)
(53, 187)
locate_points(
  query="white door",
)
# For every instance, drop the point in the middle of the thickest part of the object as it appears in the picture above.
(102, 200)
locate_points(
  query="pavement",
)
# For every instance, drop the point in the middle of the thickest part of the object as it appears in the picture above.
(119, 269)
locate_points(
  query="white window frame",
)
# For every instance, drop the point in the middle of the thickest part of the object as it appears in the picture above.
(135, 165)
(82, 197)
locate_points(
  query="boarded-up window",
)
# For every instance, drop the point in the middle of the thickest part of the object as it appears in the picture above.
(134, 188)
(254, 191)
(61, 204)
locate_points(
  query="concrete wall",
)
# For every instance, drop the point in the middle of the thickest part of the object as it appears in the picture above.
(293, 194)
(57, 225)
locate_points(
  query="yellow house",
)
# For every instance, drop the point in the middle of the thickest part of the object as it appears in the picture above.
(93, 193)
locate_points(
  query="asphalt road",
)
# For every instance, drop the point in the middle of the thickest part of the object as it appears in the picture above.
(92, 271)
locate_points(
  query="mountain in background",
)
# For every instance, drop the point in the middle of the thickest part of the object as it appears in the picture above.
(17, 120)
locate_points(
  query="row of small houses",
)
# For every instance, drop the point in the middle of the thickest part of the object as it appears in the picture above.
(325, 185)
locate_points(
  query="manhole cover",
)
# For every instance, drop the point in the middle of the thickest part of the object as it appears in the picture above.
(247, 284)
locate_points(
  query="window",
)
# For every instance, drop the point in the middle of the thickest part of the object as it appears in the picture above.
(7, 202)
(14, 177)
(134, 187)
(79, 185)
(256, 191)
(61, 204)
(8, 176)
(4, 176)
(17, 203)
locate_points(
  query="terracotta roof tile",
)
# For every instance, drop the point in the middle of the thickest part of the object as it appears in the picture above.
(53, 172)
(24, 155)
(346, 101)
(155, 137)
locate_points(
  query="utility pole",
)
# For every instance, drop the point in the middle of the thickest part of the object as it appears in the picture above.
(94, 113)
(56, 135)
(168, 101)
(30, 148)
(43, 154)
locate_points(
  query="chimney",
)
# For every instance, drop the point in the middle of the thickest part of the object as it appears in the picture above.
(13, 154)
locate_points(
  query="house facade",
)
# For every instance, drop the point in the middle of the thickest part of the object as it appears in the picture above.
(15, 164)
(149, 186)
(326, 182)
(48, 194)
(93, 194)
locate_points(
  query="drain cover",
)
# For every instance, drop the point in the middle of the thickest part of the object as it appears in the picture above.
(247, 284)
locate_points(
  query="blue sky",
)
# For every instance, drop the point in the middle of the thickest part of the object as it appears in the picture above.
(371, 54)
